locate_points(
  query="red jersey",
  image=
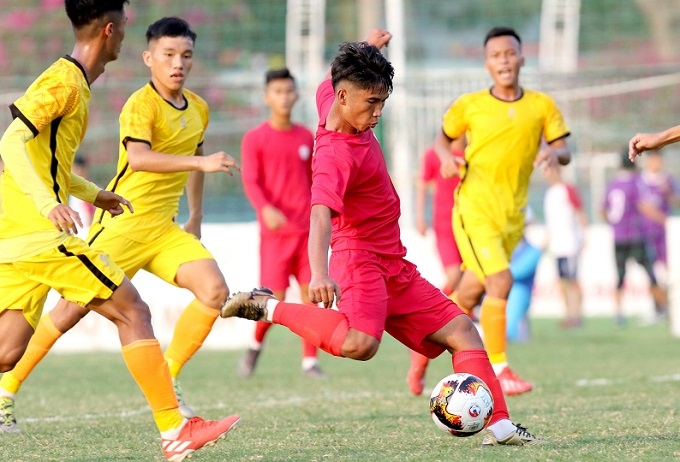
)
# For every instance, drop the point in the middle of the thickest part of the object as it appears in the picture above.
(442, 199)
(350, 177)
(277, 170)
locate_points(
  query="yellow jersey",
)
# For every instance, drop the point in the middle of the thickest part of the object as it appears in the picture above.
(55, 109)
(504, 138)
(147, 117)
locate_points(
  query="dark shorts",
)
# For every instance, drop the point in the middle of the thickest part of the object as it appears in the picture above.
(637, 250)
(567, 267)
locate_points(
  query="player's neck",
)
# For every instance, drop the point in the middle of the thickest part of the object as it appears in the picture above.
(512, 93)
(174, 97)
(336, 123)
(280, 121)
(87, 54)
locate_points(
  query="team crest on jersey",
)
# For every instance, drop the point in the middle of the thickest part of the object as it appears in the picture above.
(183, 121)
(511, 113)
(304, 152)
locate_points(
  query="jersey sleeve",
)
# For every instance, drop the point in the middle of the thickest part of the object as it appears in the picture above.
(330, 177)
(137, 121)
(454, 122)
(555, 127)
(429, 166)
(205, 118)
(47, 99)
(251, 168)
(324, 100)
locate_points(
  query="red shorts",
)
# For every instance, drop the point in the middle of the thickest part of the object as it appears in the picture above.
(283, 256)
(446, 246)
(388, 294)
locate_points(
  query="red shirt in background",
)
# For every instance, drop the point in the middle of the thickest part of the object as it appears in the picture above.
(442, 199)
(277, 170)
(350, 177)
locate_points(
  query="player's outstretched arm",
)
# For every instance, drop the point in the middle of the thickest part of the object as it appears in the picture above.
(554, 154)
(143, 159)
(652, 141)
(450, 164)
(321, 288)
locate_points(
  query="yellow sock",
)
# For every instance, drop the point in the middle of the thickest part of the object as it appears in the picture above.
(454, 298)
(42, 340)
(193, 326)
(492, 319)
(144, 360)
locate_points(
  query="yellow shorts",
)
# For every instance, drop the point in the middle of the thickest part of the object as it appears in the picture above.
(79, 273)
(485, 247)
(161, 257)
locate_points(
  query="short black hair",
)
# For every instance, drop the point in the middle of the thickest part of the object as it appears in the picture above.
(501, 32)
(278, 74)
(83, 12)
(170, 26)
(363, 65)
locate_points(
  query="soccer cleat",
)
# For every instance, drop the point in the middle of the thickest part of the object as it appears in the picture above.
(415, 378)
(196, 434)
(315, 371)
(519, 437)
(247, 363)
(512, 384)
(8, 423)
(184, 409)
(248, 305)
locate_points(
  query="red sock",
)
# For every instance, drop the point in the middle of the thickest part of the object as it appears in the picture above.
(326, 329)
(476, 362)
(309, 350)
(418, 360)
(261, 328)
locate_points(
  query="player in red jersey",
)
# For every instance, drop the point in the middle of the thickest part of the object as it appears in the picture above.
(277, 177)
(442, 211)
(355, 210)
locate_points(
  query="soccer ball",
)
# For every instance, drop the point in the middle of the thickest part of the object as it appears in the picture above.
(461, 404)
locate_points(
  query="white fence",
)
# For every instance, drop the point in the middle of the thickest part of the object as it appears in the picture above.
(235, 247)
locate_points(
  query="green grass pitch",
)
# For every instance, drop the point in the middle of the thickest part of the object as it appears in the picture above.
(602, 393)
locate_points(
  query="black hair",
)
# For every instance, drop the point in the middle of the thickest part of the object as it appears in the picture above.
(278, 74)
(83, 12)
(502, 32)
(362, 65)
(171, 26)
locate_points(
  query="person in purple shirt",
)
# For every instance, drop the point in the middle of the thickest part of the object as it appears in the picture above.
(624, 210)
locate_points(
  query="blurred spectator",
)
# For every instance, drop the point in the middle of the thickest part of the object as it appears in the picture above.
(624, 211)
(565, 222)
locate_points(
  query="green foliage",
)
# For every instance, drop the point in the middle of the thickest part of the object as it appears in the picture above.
(601, 394)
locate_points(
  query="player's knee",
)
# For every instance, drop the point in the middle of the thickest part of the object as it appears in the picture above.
(360, 348)
(499, 284)
(213, 293)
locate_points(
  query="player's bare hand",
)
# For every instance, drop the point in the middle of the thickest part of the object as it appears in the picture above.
(219, 162)
(65, 219)
(322, 289)
(112, 203)
(643, 142)
(547, 159)
(451, 167)
(379, 37)
(193, 226)
(273, 218)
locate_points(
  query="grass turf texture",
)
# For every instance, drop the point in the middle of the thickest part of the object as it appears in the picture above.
(602, 393)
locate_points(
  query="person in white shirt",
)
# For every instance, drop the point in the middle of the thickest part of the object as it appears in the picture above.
(565, 221)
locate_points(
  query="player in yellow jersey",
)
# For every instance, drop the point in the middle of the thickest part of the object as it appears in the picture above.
(505, 127)
(38, 250)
